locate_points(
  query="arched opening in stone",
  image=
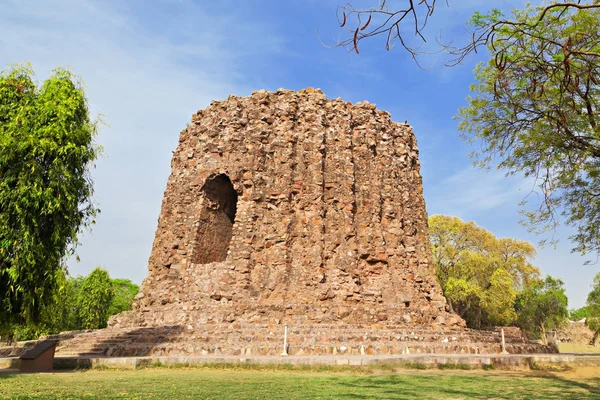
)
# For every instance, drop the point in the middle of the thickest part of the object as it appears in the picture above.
(217, 216)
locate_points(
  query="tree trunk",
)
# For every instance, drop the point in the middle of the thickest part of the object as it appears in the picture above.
(594, 338)
(543, 332)
(15, 342)
(450, 306)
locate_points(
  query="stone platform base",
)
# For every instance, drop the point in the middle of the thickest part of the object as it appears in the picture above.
(268, 340)
(456, 361)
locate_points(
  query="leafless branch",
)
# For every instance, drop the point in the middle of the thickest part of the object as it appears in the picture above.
(381, 20)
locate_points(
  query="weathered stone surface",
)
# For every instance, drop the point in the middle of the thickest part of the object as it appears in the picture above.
(267, 340)
(290, 209)
(287, 207)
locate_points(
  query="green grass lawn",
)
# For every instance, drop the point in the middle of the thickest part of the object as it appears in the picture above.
(162, 383)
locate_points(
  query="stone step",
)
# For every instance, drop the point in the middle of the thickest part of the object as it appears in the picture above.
(267, 339)
(91, 346)
(377, 326)
(270, 349)
(277, 330)
(273, 347)
(292, 338)
(100, 347)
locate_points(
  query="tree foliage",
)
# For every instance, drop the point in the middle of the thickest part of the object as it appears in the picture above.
(579, 313)
(61, 314)
(542, 307)
(535, 111)
(405, 23)
(94, 299)
(77, 303)
(593, 305)
(46, 152)
(480, 274)
(535, 106)
(124, 292)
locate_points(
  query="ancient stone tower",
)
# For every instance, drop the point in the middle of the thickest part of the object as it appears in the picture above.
(288, 207)
(289, 212)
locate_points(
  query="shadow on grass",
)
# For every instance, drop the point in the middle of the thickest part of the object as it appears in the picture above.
(289, 386)
(467, 386)
(593, 388)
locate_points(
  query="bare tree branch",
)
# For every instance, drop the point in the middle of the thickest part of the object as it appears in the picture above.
(486, 35)
(383, 21)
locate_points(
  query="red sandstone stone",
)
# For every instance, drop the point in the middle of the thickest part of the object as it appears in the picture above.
(312, 218)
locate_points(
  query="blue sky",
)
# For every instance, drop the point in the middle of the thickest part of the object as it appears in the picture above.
(148, 65)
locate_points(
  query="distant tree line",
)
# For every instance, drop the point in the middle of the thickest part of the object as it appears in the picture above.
(490, 281)
(591, 311)
(82, 302)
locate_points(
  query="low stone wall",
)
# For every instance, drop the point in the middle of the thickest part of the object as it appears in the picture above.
(9, 363)
(513, 362)
(302, 340)
(18, 349)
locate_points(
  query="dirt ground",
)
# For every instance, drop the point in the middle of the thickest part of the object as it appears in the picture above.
(580, 373)
(578, 348)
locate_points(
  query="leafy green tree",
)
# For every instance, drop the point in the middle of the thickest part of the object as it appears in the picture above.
(593, 305)
(124, 293)
(94, 299)
(542, 307)
(535, 105)
(479, 273)
(579, 313)
(77, 303)
(57, 315)
(534, 111)
(61, 313)
(46, 152)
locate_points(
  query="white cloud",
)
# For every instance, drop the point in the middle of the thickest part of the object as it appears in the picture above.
(147, 84)
(471, 191)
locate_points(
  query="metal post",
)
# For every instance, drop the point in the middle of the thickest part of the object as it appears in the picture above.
(503, 343)
(284, 353)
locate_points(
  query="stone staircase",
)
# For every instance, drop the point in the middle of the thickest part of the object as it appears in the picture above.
(267, 340)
